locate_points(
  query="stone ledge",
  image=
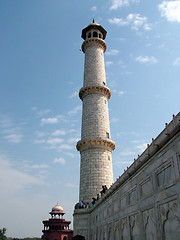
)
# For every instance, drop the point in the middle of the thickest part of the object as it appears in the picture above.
(97, 41)
(96, 143)
(81, 211)
(84, 91)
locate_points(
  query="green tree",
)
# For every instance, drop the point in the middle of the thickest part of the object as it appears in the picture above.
(2, 234)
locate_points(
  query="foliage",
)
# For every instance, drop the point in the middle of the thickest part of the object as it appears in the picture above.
(2, 234)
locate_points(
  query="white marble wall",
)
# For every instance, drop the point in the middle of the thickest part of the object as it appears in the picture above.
(147, 204)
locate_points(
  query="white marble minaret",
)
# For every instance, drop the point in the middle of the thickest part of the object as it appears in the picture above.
(95, 145)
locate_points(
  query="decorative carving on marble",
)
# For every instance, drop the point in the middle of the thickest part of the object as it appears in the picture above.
(116, 231)
(109, 232)
(170, 220)
(149, 224)
(124, 229)
(134, 227)
(96, 234)
(104, 235)
(103, 232)
(100, 235)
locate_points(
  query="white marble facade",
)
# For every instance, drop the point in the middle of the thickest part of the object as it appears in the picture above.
(144, 203)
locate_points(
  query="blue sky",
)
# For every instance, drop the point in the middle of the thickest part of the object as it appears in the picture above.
(41, 72)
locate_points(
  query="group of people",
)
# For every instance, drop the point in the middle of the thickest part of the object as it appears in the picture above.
(82, 204)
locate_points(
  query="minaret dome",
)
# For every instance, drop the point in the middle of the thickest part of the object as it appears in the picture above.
(94, 30)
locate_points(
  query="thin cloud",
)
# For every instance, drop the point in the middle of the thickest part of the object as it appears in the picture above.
(122, 39)
(176, 62)
(146, 59)
(94, 8)
(5, 122)
(14, 138)
(62, 118)
(120, 163)
(113, 120)
(109, 63)
(73, 140)
(73, 155)
(40, 134)
(115, 4)
(121, 63)
(65, 147)
(73, 131)
(118, 4)
(112, 52)
(39, 141)
(54, 141)
(74, 111)
(34, 108)
(148, 44)
(127, 73)
(119, 134)
(71, 185)
(49, 121)
(161, 45)
(118, 21)
(126, 162)
(59, 133)
(120, 93)
(136, 21)
(127, 152)
(74, 94)
(170, 10)
(16, 178)
(59, 160)
(43, 112)
(39, 166)
(11, 130)
(141, 147)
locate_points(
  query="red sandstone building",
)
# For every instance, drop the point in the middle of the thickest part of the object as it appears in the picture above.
(57, 228)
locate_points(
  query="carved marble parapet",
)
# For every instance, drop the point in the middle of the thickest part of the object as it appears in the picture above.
(173, 129)
(94, 89)
(97, 41)
(96, 143)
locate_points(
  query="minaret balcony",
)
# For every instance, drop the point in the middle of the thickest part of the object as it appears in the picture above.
(96, 143)
(94, 89)
(91, 41)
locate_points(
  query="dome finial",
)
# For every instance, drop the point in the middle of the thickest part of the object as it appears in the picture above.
(93, 21)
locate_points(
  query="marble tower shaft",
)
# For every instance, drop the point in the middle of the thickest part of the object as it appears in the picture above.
(95, 145)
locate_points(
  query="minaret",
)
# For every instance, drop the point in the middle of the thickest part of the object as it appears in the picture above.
(95, 145)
